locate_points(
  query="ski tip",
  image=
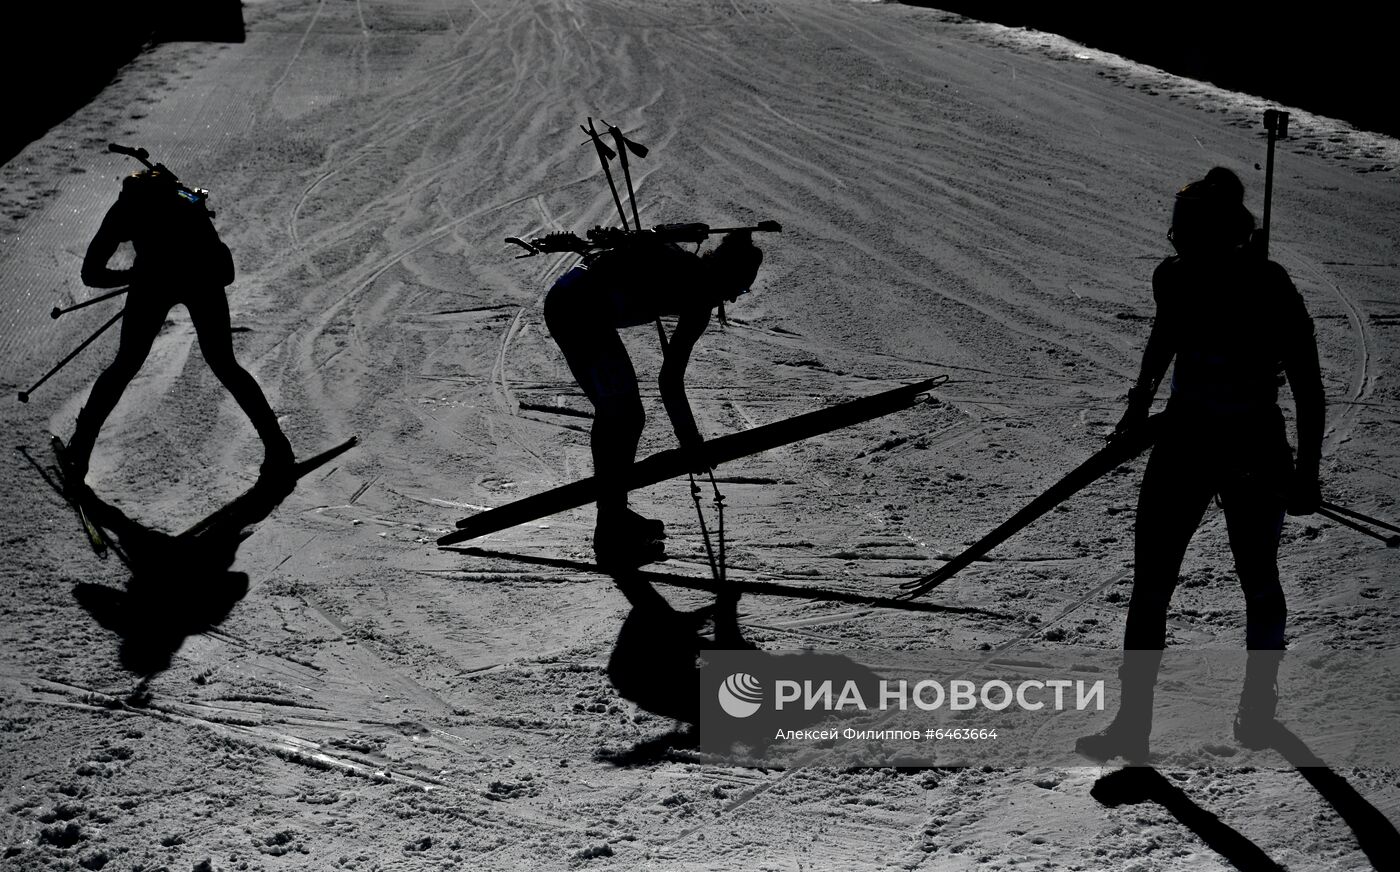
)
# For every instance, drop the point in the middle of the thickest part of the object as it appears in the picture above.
(452, 538)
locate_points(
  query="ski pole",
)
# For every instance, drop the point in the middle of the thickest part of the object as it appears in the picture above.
(85, 303)
(1390, 541)
(1119, 451)
(606, 154)
(24, 395)
(1352, 513)
(704, 531)
(625, 145)
(1343, 510)
(719, 509)
(1276, 122)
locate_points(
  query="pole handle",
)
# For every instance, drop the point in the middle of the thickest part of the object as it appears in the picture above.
(139, 153)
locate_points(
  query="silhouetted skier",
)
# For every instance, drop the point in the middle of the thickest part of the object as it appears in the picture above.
(180, 260)
(629, 286)
(1232, 320)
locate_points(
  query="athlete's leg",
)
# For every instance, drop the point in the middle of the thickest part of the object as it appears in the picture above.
(601, 366)
(1174, 495)
(1254, 509)
(209, 312)
(145, 312)
(606, 375)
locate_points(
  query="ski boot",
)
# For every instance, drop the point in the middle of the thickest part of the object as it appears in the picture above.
(279, 462)
(1127, 736)
(76, 454)
(646, 528)
(1256, 725)
(623, 539)
(73, 464)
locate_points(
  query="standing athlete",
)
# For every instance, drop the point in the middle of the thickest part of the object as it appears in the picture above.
(629, 286)
(1233, 322)
(180, 260)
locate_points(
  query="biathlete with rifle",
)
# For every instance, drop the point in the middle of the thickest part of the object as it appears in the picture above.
(180, 260)
(633, 284)
(1232, 320)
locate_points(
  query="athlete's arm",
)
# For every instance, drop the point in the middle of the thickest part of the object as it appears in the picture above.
(689, 328)
(112, 233)
(1155, 360)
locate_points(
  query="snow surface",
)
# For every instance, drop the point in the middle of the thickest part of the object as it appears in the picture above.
(957, 199)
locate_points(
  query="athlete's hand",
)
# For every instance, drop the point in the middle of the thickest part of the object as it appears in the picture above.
(697, 453)
(1139, 407)
(1304, 490)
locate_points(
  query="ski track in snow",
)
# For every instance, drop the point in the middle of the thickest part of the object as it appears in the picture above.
(957, 198)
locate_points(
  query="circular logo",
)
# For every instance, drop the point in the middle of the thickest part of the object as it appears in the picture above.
(740, 695)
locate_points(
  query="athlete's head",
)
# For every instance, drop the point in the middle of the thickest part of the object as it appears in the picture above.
(1210, 215)
(152, 193)
(734, 262)
(152, 182)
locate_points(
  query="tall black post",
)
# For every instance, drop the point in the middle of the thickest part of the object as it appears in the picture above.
(1276, 122)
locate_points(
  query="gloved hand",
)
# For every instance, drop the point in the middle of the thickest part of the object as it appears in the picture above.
(1304, 489)
(1139, 406)
(696, 450)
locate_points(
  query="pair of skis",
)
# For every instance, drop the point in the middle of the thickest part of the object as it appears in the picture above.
(676, 462)
(668, 464)
(78, 496)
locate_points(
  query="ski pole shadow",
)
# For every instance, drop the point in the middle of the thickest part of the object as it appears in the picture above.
(180, 585)
(1138, 784)
(756, 588)
(1375, 834)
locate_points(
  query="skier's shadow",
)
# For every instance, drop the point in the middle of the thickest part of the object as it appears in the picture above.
(1137, 784)
(1375, 834)
(655, 663)
(180, 585)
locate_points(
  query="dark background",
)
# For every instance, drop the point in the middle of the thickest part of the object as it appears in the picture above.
(56, 55)
(1339, 63)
